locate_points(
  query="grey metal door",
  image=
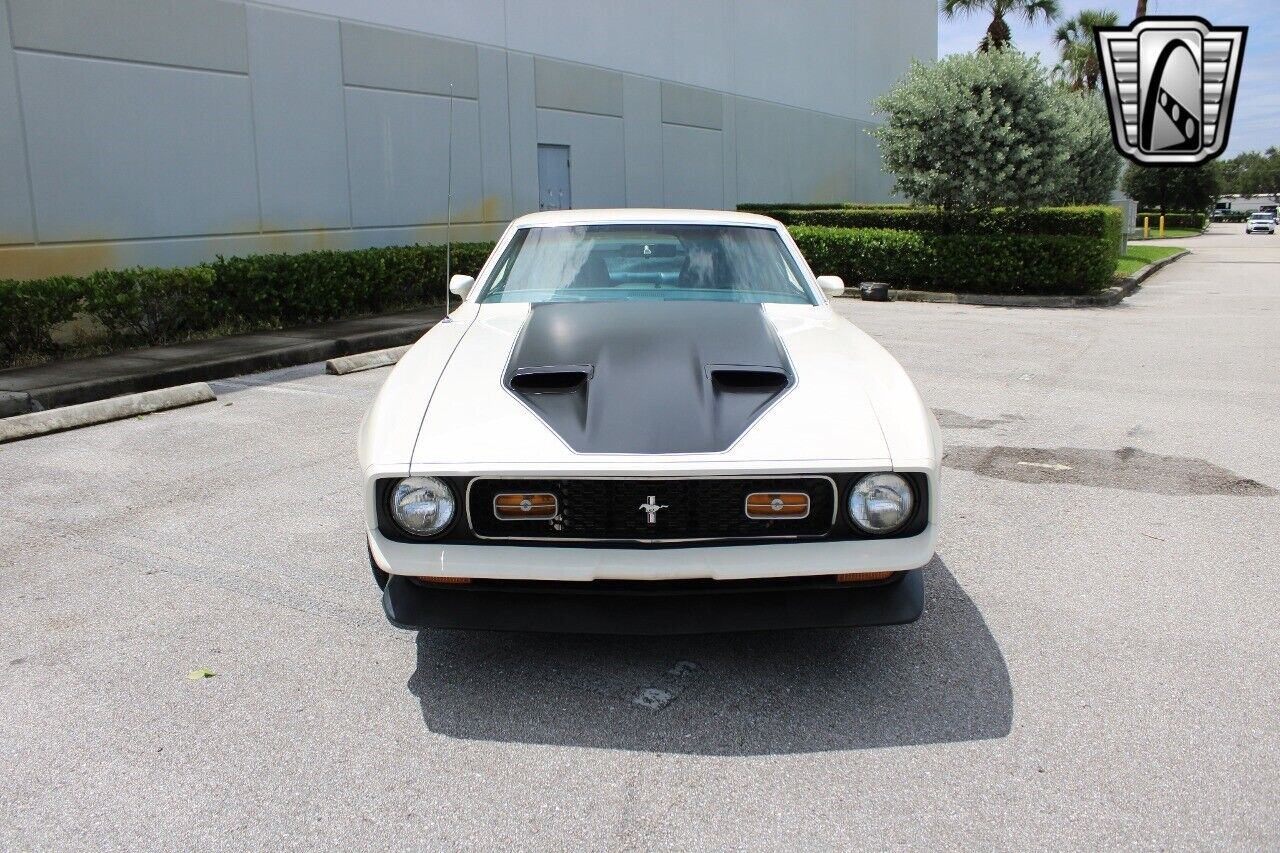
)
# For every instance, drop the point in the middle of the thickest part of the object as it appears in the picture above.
(553, 178)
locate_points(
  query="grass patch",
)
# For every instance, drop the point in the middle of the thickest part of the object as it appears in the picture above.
(1170, 233)
(1139, 256)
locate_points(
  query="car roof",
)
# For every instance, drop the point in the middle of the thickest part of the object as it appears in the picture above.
(641, 215)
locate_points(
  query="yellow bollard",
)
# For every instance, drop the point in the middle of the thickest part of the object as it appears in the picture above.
(1146, 228)
(1162, 226)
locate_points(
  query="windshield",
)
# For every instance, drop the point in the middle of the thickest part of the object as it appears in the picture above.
(598, 263)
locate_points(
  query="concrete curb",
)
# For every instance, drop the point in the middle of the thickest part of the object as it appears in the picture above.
(101, 411)
(364, 361)
(1111, 296)
(14, 403)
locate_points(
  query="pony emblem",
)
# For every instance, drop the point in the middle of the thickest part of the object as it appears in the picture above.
(651, 507)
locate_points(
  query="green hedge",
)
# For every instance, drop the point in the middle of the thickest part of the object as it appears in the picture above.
(962, 263)
(1058, 250)
(29, 309)
(820, 205)
(902, 258)
(1174, 220)
(149, 306)
(1096, 221)
(310, 287)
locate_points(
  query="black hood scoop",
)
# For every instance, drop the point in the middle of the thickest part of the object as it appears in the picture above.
(648, 377)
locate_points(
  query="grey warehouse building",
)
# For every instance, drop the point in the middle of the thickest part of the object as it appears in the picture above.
(165, 132)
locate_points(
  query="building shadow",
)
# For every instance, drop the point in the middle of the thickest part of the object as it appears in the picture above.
(942, 679)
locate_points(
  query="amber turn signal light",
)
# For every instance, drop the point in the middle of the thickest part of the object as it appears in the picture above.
(518, 507)
(764, 505)
(864, 577)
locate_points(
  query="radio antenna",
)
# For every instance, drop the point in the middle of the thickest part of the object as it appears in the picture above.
(448, 213)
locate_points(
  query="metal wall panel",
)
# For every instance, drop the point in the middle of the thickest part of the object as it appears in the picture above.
(691, 167)
(523, 113)
(642, 131)
(124, 148)
(763, 138)
(729, 147)
(483, 21)
(689, 42)
(885, 40)
(299, 122)
(871, 182)
(15, 190)
(207, 34)
(398, 150)
(694, 107)
(495, 135)
(408, 62)
(598, 159)
(127, 151)
(829, 55)
(822, 157)
(569, 86)
(24, 262)
(799, 53)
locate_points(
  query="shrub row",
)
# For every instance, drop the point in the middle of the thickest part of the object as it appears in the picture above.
(148, 306)
(1095, 221)
(961, 263)
(1173, 220)
(819, 205)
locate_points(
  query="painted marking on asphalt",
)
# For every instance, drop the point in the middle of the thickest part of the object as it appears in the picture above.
(653, 698)
(1052, 466)
(294, 387)
(668, 687)
(948, 419)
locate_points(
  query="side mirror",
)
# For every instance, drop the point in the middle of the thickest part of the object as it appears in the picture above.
(460, 285)
(832, 285)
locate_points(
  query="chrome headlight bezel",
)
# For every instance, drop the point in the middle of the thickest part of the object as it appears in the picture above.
(398, 499)
(860, 513)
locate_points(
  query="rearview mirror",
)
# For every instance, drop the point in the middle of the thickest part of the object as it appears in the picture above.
(832, 285)
(460, 285)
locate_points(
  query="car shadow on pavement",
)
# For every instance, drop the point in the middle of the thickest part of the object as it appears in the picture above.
(939, 680)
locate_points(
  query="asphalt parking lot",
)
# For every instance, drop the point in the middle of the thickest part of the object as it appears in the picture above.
(1097, 666)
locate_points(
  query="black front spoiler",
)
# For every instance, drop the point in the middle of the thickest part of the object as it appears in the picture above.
(629, 609)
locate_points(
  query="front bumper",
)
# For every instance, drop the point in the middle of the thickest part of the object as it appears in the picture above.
(651, 608)
(500, 561)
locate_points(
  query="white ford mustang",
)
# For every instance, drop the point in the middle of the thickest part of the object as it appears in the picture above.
(648, 421)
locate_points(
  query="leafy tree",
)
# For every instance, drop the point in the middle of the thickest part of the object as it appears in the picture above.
(1251, 173)
(976, 131)
(1166, 188)
(1076, 45)
(998, 33)
(1093, 167)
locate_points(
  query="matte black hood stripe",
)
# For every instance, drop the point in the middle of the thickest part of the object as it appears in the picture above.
(648, 377)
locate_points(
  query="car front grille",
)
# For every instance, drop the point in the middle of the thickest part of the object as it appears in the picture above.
(691, 509)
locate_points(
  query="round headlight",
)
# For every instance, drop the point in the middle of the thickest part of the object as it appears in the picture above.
(881, 503)
(423, 506)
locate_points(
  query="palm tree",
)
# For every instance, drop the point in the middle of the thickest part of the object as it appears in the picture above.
(1078, 49)
(1142, 8)
(998, 33)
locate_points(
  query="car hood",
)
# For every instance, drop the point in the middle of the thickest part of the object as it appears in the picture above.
(663, 387)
